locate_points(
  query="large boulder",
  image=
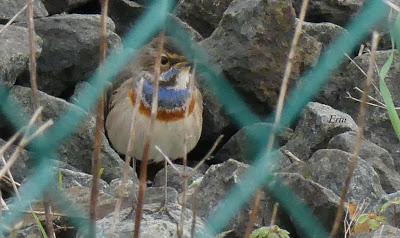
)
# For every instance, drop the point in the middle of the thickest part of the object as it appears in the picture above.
(322, 202)
(378, 128)
(317, 125)
(14, 52)
(77, 149)
(329, 167)
(198, 14)
(324, 32)
(376, 156)
(216, 183)
(251, 44)
(9, 8)
(154, 223)
(70, 51)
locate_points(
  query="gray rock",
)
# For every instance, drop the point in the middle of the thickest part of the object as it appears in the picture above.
(198, 14)
(215, 185)
(317, 125)
(77, 150)
(154, 223)
(71, 179)
(174, 177)
(157, 195)
(125, 14)
(129, 191)
(215, 119)
(251, 44)
(70, 51)
(30, 231)
(385, 231)
(21, 166)
(321, 201)
(378, 128)
(247, 143)
(14, 52)
(335, 11)
(59, 6)
(376, 156)
(328, 167)
(80, 197)
(324, 32)
(8, 9)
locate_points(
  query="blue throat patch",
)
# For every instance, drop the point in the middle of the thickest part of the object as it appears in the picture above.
(168, 98)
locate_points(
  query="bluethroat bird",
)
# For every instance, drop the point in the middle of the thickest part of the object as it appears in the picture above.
(175, 97)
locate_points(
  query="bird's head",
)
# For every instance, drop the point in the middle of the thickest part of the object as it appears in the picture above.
(175, 70)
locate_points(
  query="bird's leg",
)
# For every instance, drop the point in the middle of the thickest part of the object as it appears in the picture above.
(164, 203)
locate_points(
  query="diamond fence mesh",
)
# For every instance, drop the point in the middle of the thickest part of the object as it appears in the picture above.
(257, 176)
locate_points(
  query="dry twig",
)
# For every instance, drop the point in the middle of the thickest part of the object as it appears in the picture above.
(279, 108)
(148, 140)
(99, 131)
(361, 122)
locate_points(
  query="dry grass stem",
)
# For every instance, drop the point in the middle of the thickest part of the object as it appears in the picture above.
(167, 159)
(361, 122)
(185, 177)
(99, 131)
(292, 157)
(128, 159)
(165, 202)
(148, 140)
(13, 183)
(274, 214)
(208, 155)
(24, 142)
(13, 18)
(392, 5)
(283, 90)
(253, 213)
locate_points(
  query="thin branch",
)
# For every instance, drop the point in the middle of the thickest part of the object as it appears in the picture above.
(167, 159)
(253, 213)
(13, 18)
(99, 131)
(185, 151)
(24, 142)
(207, 156)
(282, 95)
(148, 140)
(274, 213)
(128, 158)
(361, 122)
(392, 5)
(370, 97)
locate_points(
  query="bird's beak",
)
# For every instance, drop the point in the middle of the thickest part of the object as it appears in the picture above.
(173, 72)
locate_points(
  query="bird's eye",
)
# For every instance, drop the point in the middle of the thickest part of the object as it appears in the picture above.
(164, 60)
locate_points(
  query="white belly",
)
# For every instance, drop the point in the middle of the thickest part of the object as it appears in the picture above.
(168, 135)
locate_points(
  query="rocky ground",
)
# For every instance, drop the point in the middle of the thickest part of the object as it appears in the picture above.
(249, 41)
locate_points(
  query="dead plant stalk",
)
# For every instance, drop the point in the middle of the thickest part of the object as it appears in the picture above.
(361, 123)
(185, 175)
(279, 108)
(128, 159)
(99, 131)
(148, 140)
(35, 103)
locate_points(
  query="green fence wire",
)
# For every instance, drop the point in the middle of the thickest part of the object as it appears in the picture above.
(257, 176)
